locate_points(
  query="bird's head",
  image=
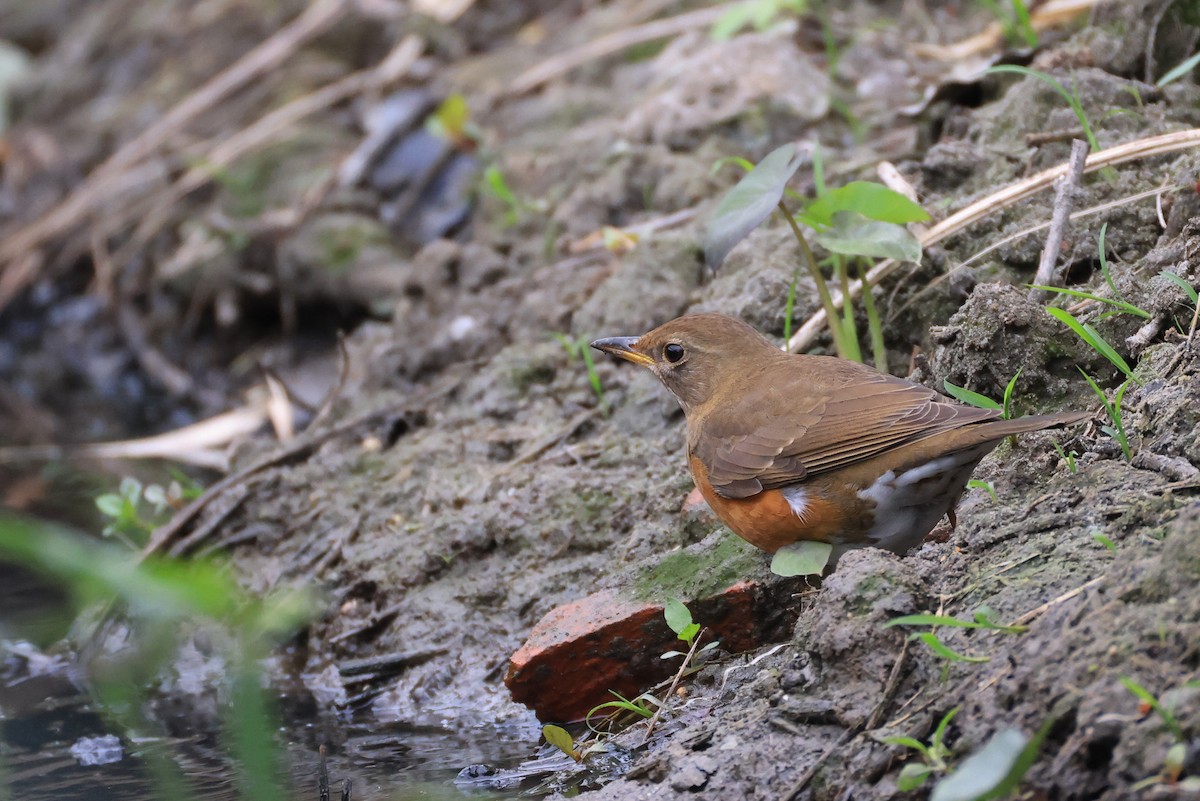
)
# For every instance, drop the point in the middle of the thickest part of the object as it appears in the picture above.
(694, 355)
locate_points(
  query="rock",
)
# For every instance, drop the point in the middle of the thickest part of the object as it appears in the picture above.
(609, 641)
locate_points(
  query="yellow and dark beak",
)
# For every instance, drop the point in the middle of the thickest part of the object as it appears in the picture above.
(623, 348)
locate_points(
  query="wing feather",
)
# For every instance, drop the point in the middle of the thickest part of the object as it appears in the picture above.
(805, 425)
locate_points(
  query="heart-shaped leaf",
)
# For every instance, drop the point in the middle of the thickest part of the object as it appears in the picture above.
(802, 558)
(871, 200)
(677, 615)
(750, 202)
(852, 234)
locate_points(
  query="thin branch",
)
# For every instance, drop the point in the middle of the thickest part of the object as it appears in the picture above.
(562, 63)
(1066, 188)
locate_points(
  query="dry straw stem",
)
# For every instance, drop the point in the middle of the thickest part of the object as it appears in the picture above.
(267, 130)
(562, 63)
(90, 195)
(1042, 16)
(1008, 196)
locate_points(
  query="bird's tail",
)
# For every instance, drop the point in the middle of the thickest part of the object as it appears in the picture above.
(998, 429)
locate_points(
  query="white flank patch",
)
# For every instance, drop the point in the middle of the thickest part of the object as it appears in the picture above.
(461, 326)
(797, 499)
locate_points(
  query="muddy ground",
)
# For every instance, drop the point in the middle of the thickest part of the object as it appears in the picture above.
(469, 480)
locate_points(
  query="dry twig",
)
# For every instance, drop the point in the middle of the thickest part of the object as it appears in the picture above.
(1064, 198)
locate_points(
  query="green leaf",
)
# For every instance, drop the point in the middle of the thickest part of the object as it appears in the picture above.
(110, 505)
(981, 621)
(967, 396)
(983, 618)
(986, 773)
(746, 164)
(677, 615)
(1128, 308)
(803, 558)
(130, 489)
(941, 649)
(1178, 71)
(1092, 337)
(750, 202)
(1182, 284)
(852, 234)
(931, 620)
(940, 733)
(1008, 393)
(689, 632)
(558, 737)
(907, 742)
(912, 776)
(871, 200)
(987, 486)
(1146, 697)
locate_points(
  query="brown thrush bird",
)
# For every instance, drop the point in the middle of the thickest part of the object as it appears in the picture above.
(788, 447)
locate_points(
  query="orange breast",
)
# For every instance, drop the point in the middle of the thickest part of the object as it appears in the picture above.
(767, 520)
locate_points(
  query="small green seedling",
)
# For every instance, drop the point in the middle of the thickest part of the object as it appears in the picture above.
(643, 707)
(1190, 291)
(579, 349)
(994, 771)
(986, 486)
(494, 184)
(134, 511)
(1150, 703)
(858, 221)
(1176, 756)
(1105, 541)
(969, 397)
(1119, 304)
(679, 620)
(789, 309)
(982, 620)
(1072, 98)
(983, 401)
(1113, 408)
(1093, 339)
(933, 756)
(451, 121)
(1067, 456)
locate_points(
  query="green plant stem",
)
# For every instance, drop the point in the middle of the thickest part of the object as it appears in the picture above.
(874, 326)
(818, 279)
(849, 334)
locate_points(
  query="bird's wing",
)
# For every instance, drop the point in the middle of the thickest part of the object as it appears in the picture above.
(805, 426)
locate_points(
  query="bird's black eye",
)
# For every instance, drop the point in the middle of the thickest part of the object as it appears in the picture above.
(673, 352)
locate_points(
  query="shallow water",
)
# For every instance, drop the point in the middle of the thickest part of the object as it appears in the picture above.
(55, 746)
(46, 745)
